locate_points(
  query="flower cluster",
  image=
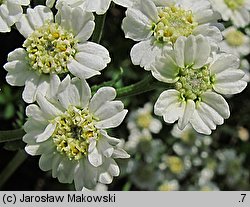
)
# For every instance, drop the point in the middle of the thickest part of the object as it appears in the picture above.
(54, 46)
(235, 10)
(157, 25)
(191, 60)
(67, 128)
(183, 46)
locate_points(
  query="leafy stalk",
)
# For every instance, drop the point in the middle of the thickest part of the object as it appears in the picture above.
(17, 160)
(99, 25)
(145, 85)
(11, 135)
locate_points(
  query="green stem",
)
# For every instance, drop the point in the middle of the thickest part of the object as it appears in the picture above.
(11, 135)
(99, 25)
(127, 186)
(17, 160)
(147, 84)
(107, 83)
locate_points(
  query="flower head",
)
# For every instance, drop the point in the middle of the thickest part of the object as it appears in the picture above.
(158, 24)
(235, 42)
(10, 12)
(67, 128)
(54, 46)
(98, 6)
(198, 78)
(235, 10)
(142, 119)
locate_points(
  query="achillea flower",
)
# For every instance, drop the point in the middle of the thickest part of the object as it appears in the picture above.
(98, 6)
(54, 46)
(158, 24)
(235, 42)
(235, 10)
(142, 119)
(10, 12)
(68, 129)
(198, 79)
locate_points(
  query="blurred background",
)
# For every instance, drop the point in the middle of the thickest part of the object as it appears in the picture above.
(162, 158)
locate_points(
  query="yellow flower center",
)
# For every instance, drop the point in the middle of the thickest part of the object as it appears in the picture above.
(73, 131)
(173, 23)
(234, 4)
(235, 38)
(175, 164)
(49, 48)
(144, 120)
(193, 83)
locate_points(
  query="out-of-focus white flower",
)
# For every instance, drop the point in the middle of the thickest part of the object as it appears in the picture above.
(68, 129)
(174, 163)
(209, 186)
(235, 42)
(243, 134)
(206, 176)
(142, 119)
(10, 12)
(187, 135)
(98, 6)
(230, 165)
(137, 136)
(145, 176)
(57, 46)
(158, 24)
(235, 10)
(171, 185)
(198, 79)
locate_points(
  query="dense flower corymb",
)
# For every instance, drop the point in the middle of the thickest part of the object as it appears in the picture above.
(10, 12)
(98, 6)
(158, 24)
(57, 46)
(67, 128)
(198, 79)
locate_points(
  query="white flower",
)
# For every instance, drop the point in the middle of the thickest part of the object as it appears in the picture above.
(10, 13)
(198, 79)
(174, 164)
(68, 129)
(135, 137)
(185, 135)
(235, 10)
(235, 42)
(206, 175)
(169, 185)
(98, 6)
(143, 119)
(57, 46)
(244, 65)
(158, 24)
